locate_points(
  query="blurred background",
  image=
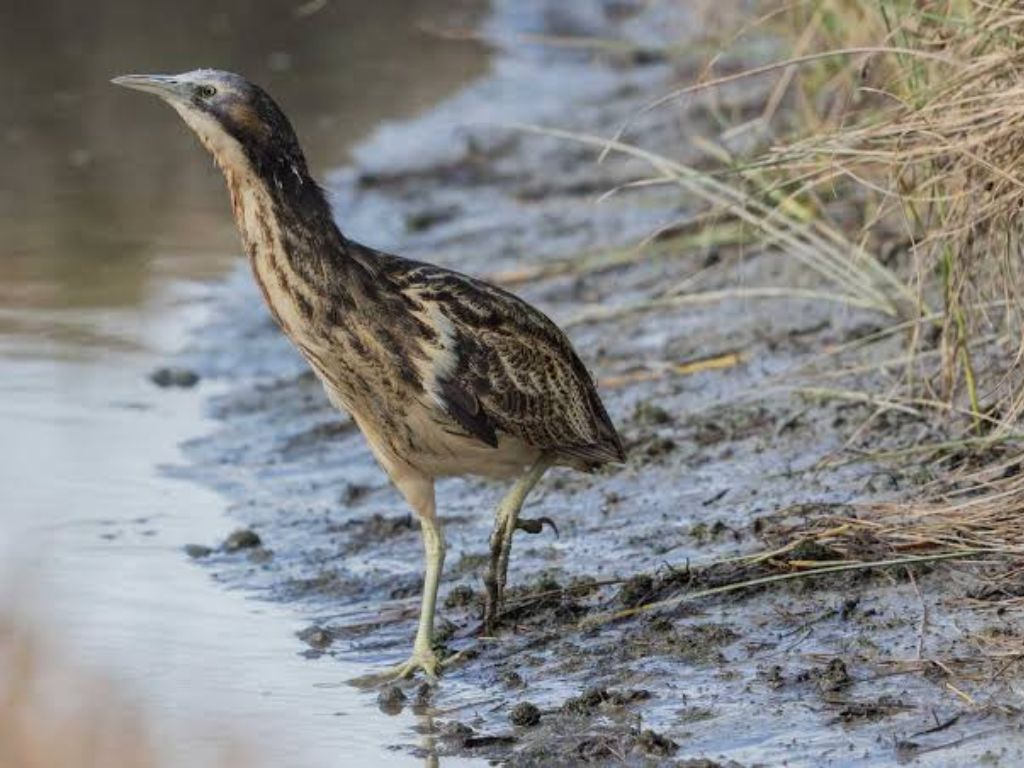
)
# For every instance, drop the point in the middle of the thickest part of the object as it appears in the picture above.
(110, 213)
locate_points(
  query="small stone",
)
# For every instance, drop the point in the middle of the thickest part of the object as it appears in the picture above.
(648, 413)
(197, 551)
(833, 677)
(317, 638)
(456, 731)
(174, 377)
(243, 538)
(391, 700)
(524, 714)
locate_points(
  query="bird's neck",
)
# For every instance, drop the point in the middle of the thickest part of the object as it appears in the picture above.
(277, 204)
(297, 253)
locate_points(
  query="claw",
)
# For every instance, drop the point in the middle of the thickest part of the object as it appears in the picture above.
(536, 525)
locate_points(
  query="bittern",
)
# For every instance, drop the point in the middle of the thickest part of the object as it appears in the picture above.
(444, 374)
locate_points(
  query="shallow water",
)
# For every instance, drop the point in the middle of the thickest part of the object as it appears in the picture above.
(111, 218)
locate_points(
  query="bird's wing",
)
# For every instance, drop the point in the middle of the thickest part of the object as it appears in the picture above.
(501, 366)
(533, 387)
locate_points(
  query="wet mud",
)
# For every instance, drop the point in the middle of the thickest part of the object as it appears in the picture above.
(723, 461)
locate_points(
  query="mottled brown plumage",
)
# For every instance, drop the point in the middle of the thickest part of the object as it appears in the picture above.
(443, 373)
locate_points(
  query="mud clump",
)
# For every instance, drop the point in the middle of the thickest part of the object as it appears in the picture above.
(318, 638)
(696, 645)
(834, 677)
(368, 531)
(592, 700)
(172, 376)
(853, 712)
(812, 550)
(524, 715)
(198, 551)
(613, 746)
(243, 538)
(545, 599)
(703, 533)
(456, 732)
(658, 447)
(391, 700)
(650, 414)
(652, 743)
(638, 590)
(702, 644)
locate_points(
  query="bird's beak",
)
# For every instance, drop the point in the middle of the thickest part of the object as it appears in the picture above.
(164, 86)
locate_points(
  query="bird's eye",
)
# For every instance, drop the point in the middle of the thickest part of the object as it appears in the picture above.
(206, 91)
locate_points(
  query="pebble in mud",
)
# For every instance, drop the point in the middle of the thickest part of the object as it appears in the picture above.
(317, 638)
(391, 700)
(197, 551)
(833, 677)
(651, 414)
(456, 731)
(524, 714)
(243, 538)
(171, 376)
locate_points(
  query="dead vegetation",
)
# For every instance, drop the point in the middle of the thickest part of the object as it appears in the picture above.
(888, 160)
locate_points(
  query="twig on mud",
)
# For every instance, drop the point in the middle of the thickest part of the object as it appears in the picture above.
(534, 597)
(923, 626)
(683, 368)
(725, 588)
(939, 726)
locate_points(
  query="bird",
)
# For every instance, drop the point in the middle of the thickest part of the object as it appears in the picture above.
(443, 373)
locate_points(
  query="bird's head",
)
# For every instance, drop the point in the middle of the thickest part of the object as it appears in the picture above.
(235, 119)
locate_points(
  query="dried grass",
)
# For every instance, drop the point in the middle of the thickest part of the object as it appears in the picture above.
(936, 156)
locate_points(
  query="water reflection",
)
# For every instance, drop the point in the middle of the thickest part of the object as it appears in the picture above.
(94, 183)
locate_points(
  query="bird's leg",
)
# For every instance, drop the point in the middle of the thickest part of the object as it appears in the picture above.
(423, 656)
(505, 524)
(419, 492)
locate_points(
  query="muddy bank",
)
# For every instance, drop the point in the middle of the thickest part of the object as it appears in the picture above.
(723, 461)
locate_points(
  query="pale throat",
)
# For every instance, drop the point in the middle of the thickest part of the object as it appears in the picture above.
(252, 205)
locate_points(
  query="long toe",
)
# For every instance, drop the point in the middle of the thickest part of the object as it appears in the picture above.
(425, 660)
(420, 660)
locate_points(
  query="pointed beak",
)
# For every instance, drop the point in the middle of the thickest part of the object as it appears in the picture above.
(164, 86)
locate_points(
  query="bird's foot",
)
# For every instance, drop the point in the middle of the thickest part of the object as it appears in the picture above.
(536, 525)
(424, 659)
(421, 659)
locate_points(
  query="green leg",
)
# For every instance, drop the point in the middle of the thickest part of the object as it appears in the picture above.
(423, 656)
(501, 539)
(419, 492)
